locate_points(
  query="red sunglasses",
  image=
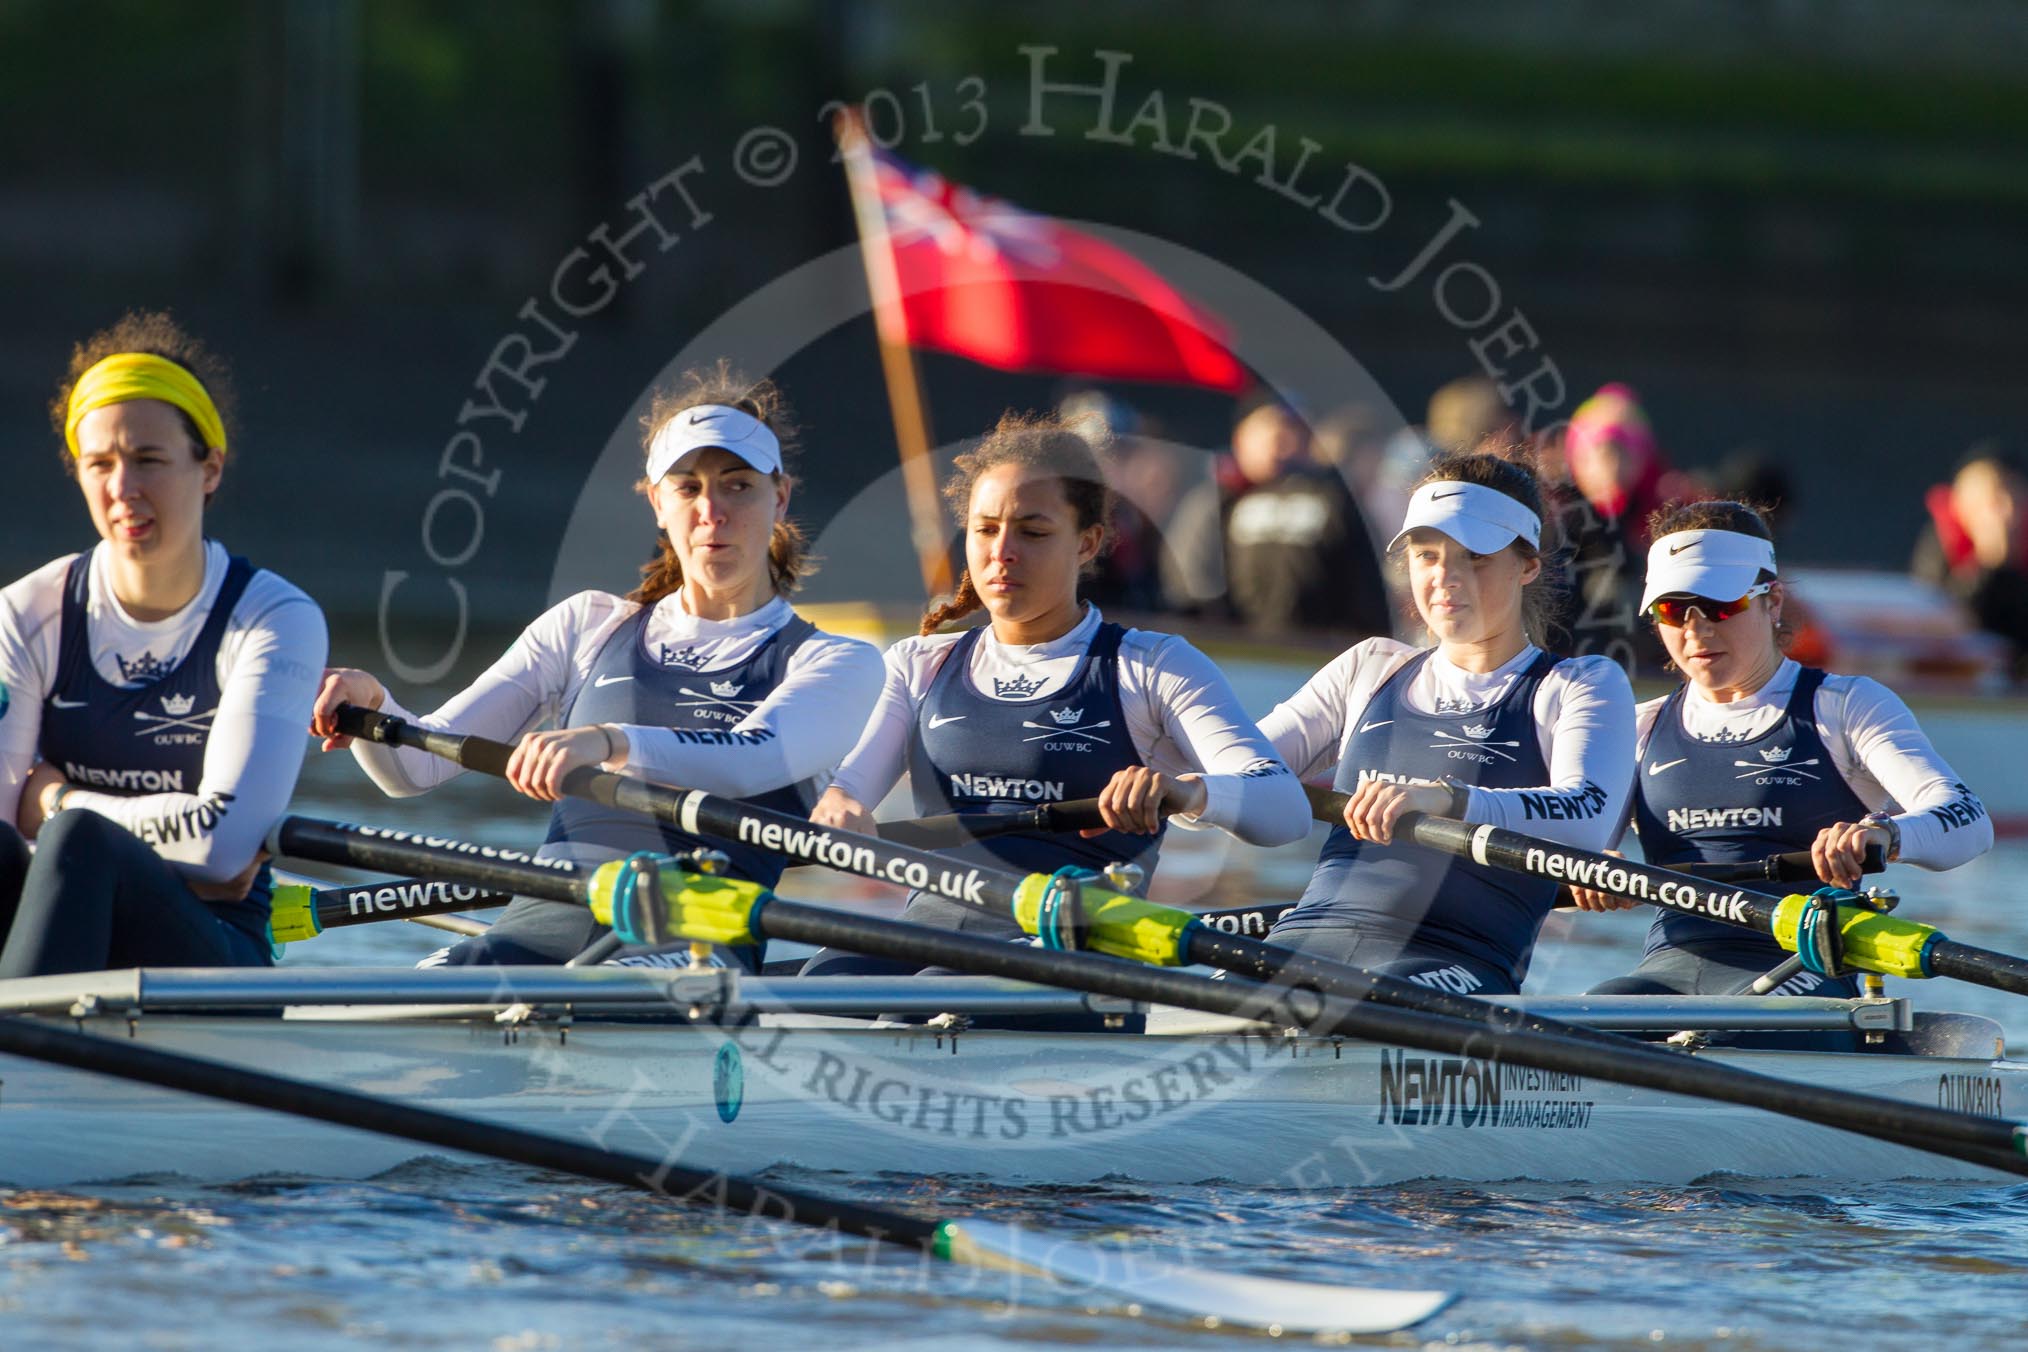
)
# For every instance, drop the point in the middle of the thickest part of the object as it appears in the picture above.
(1674, 611)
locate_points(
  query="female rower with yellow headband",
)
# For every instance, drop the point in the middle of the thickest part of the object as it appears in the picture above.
(152, 689)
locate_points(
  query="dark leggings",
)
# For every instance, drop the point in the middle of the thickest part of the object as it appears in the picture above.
(1389, 955)
(945, 914)
(95, 897)
(1728, 969)
(534, 932)
(1719, 969)
(923, 909)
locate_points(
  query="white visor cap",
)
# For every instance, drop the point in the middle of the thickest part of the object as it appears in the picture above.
(708, 425)
(1483, 520)
(1720, 565)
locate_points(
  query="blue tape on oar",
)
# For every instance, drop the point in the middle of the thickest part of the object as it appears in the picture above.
(1060, 918)
(1820, 943)
(626, 897)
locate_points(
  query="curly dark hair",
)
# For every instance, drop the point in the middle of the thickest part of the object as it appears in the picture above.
(1038, 441)
(156, 333)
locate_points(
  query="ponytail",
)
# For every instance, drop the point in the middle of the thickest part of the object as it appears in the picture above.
(962, 603)
(1046, 443)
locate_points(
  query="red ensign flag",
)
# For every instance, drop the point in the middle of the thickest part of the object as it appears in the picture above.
(974, 276)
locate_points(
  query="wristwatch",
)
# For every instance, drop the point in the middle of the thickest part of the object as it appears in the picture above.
(1893, 828)
(1461, 796)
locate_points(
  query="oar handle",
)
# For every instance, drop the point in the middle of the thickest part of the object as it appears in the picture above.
(1328, 805)
(1795, 866)
(473, 753)
(962, 828)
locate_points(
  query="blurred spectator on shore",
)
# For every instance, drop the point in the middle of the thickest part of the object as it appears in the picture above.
(1617, 476)
(1145, 482)
(1748, 474)
(1614, 460)
(1469, 415)
(1976, 544)
(1352, 439)
(1273, 539)
(1465, 415)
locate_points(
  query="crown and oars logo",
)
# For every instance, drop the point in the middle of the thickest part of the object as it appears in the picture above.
(146, 667)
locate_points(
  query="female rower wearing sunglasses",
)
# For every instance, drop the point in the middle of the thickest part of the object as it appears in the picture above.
(1755, 755)
(1484, 726)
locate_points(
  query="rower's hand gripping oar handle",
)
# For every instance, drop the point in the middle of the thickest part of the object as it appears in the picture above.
(473, 753)
(962, 828)
(1871, 940)
(958, 828)
(1795, 866)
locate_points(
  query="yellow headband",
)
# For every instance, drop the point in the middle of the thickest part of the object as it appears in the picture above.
(126, 376)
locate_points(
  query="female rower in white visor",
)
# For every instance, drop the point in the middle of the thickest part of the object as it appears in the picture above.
(1484, 726)
(702, 676)
(1754, 754)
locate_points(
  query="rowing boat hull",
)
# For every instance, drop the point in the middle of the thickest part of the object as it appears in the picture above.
(1251, 1108)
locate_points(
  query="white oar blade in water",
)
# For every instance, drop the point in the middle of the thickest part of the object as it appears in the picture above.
(1269, 1303)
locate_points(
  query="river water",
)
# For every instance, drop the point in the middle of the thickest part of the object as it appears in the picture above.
(437, 1255)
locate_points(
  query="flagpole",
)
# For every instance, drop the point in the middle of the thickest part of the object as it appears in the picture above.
(897, 360)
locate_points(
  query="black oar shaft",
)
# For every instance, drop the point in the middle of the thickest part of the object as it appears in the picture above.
(963, 828)
(2001, 971)
(1328, 805)
(1728, 902)
(697, 813)
(1987, 1142)
(399, 899)
(508, 871)
(1501, 848)
(131, 1060)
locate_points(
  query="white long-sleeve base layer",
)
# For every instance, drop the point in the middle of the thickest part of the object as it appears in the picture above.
(799, 732)
(1180, 712)
(1876, 745)
(1584, 717)
(270, 660)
